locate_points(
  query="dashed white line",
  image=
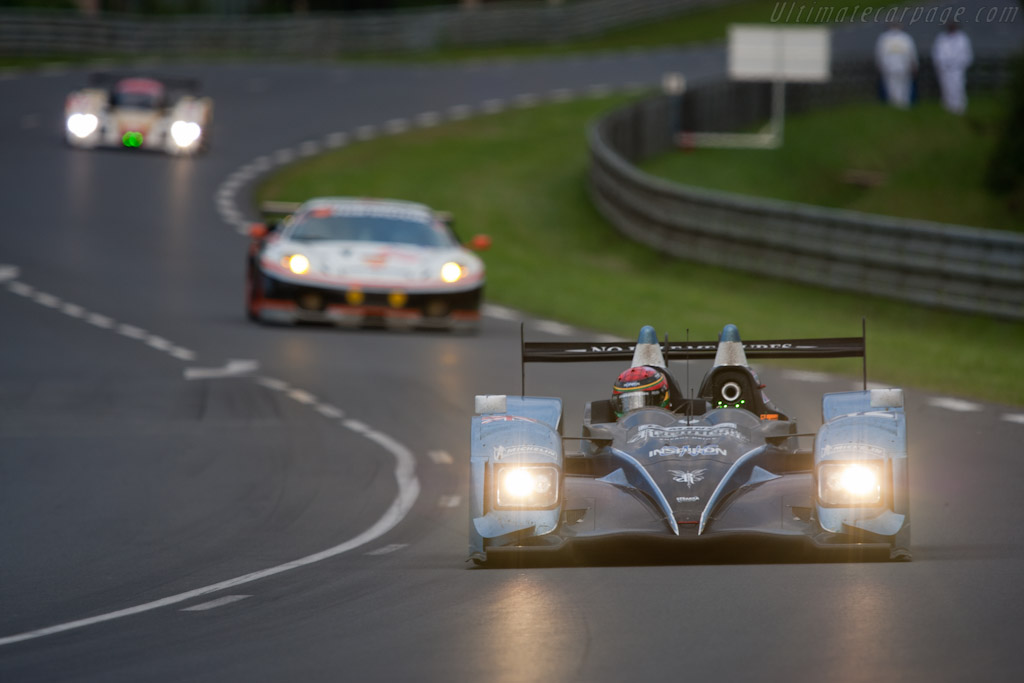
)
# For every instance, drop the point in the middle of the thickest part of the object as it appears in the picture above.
(368, 132)
(72, 310)
(309, 148)
(303, 397)
(219, 602)
(356, 426)
(493, 106)
(271, 383)
(182, 354)
(599, 90)
(459, 112)
(1017, 418)
(441, 457)
(526, 100)
(552, 327)
(21, 289)
(330, 411)
(235, 367)
(449, 501)
(100, 321)
(560, 95)
(159, 343)
(283, 156)
(955, 404)
(396, 126)
(131, 331)
(805, 376)
(388, 549)
(44, 299)
(335, 140)
(427, 119)
(500, 312)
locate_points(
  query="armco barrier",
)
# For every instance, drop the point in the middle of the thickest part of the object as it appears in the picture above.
(950, 266)
(322, 35)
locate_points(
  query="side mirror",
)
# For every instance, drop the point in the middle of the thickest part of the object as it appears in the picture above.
(480, 243)
(258, 231)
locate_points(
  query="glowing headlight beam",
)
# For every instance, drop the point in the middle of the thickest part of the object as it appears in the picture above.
(528, 486)
(185, 133)
(451, 272)
(297, 263)
(849, 484)
(82, 125)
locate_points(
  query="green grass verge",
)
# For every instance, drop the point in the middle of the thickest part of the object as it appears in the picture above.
(519, 176)
(696, 26)
(929, 163)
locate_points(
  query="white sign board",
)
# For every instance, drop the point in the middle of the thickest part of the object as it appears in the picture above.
(768, 53)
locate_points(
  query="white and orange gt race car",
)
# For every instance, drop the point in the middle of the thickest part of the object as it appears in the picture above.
(354, 261)
(134, 112)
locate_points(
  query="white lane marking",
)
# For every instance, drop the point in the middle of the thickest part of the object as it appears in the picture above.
(182, 354)
(1018, 418)
(367, 132)
(159, 343)
(408, 492)
(500, 312)
(955, 404)
(449, 501)
(335, 140)
(611, 339)
(219, 602)
(309, 148)
(44, 299)
(21, 289)
(552, 327)
(356, 426)
(493, 106)
(396, 126)
(805, 376)
(330, 411)
(72, 310)
(599, 90)
(459, 112)
(262, 163)
(100, 321)
(283, 156)
(8, 272)
(233, 368)
(303, 397)
(388, 549)
(271, 383)
(560, 95)
(441, 457)
(427, 119)
(526, 100)
(131, 331)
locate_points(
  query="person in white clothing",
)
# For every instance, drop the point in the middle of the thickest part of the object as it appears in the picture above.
(896, 58)
(952, 54)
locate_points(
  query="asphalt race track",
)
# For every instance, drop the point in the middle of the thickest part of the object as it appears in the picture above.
(185, 496)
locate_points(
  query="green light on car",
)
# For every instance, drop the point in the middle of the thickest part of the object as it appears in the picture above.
(132, 139)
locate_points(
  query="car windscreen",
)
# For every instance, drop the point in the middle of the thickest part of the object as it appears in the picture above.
(135, 100)
(369, 229)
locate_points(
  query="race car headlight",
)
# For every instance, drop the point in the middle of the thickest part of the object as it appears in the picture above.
(451, 272)
(82, 125)
(526, 486)
(297, 263)
(853, 484)
(185, 133)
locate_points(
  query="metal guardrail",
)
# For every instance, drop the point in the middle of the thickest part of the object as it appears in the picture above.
(323, 35)
(950, 266)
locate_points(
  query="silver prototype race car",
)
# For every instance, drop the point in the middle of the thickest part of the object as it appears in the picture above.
(132, 112)
(722, 470)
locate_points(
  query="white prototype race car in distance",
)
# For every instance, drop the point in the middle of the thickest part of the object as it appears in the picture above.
(161, 114)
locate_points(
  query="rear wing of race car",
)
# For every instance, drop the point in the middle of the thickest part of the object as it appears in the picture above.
(583, 352)
(106, 79)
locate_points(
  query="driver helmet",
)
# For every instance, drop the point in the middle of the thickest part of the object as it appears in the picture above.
(638, 387)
